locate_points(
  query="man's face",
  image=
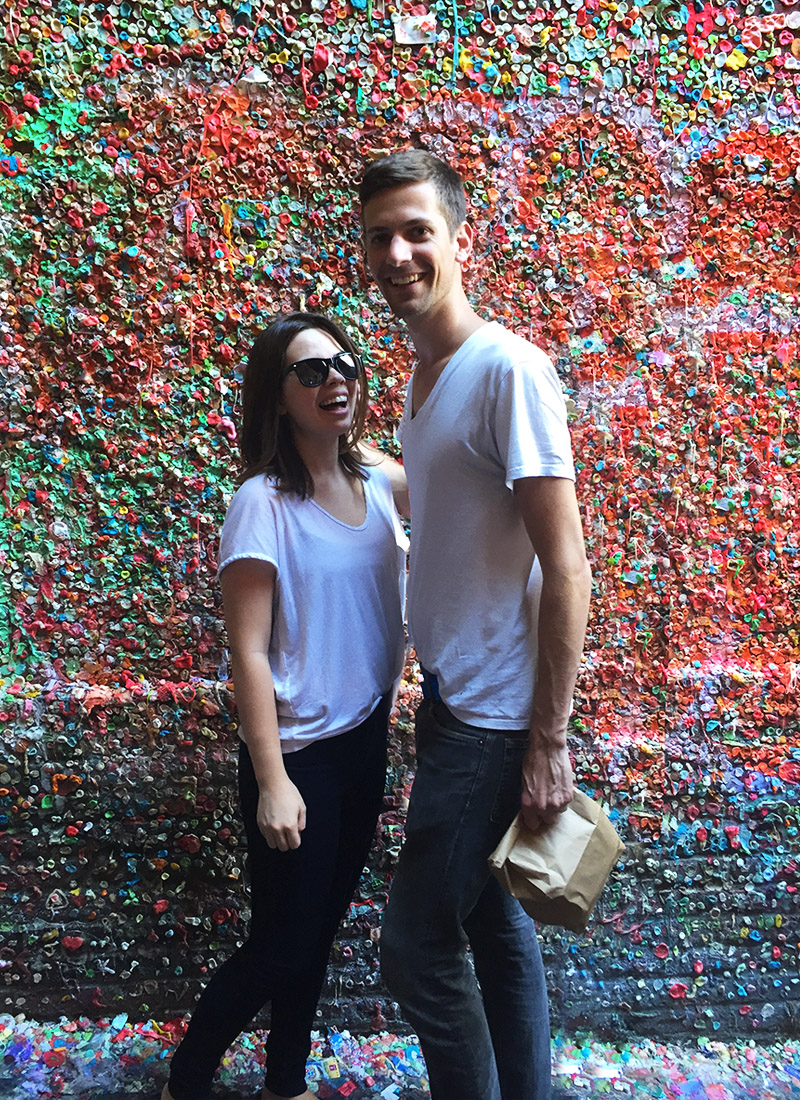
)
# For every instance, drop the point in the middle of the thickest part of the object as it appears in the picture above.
(410, 251)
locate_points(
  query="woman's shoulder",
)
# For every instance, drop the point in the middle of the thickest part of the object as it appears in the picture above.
(257, 488)
(381, 500)
(253, 522)
(376, 481)
(258, 494)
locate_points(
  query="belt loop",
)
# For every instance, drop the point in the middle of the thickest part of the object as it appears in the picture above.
(430, 686)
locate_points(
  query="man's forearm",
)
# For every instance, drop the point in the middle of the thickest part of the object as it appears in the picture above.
(563, 614)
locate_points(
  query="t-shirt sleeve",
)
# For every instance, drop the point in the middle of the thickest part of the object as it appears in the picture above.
(249, 530)
(531, 422)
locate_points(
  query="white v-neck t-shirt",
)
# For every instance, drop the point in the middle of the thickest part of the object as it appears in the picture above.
(496, 413)
(337, 642)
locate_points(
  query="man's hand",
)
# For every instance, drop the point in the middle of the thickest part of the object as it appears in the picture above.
(281, 815)
(547, 784)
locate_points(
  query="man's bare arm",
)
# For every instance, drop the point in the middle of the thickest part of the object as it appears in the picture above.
(549, 509)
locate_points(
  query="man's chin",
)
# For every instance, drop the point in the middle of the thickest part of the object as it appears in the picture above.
(406, 310)
(404, 313)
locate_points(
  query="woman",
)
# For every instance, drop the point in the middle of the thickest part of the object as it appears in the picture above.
(312, 561)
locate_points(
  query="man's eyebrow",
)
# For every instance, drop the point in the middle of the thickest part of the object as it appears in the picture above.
(421, 220)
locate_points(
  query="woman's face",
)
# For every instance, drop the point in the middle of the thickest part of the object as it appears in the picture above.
(324, 410)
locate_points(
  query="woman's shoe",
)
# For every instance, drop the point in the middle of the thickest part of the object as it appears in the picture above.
(267, 1095)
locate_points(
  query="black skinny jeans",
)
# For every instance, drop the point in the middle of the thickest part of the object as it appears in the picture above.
(297, 900)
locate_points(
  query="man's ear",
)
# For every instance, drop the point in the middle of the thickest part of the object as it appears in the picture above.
(464, 239)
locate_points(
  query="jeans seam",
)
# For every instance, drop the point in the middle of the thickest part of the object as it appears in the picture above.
(483, 741)
(467, 806)
(505, 777)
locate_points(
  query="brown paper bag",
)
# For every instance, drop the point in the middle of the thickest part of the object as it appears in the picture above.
(559, 872)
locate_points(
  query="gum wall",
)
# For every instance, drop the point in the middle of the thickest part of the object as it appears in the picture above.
(171, 176)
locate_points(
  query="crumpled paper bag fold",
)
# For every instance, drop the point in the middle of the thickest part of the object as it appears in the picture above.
(558, 873)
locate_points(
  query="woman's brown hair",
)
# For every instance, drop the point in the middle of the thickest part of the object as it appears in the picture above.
(266, 442)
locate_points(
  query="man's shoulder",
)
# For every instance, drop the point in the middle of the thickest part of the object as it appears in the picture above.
(502, 349)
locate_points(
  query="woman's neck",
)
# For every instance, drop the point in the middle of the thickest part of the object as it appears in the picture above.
(321, 459)
(337, 491)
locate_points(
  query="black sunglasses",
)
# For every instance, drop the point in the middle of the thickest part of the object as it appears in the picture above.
(313, 372)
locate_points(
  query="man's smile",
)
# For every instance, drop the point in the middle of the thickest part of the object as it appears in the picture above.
(405, 280)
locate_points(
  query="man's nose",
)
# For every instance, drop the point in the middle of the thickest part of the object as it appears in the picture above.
(399, 250)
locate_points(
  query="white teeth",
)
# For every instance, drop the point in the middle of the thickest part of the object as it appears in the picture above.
(405, 280)
(334, 403)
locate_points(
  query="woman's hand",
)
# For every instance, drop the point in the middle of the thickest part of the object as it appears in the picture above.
(281, 814)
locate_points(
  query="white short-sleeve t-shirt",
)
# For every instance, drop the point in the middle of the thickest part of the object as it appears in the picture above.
(495, 414)
(337, 640)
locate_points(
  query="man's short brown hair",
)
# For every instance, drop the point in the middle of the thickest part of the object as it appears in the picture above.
(417, 166)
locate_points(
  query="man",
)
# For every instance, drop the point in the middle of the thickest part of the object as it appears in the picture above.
(497, 605)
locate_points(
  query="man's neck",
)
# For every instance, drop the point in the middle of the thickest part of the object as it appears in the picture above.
(438, 335)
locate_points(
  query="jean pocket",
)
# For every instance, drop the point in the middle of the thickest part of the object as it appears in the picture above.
(464, 747)
(421, 723)
(508, 797)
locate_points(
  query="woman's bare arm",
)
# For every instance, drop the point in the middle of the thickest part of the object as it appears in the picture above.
(248, 587)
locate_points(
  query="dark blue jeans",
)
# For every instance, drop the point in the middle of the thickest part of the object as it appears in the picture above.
(487, 1039)
(297, 900)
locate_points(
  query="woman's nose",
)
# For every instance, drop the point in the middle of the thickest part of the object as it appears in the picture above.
(334, 375)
